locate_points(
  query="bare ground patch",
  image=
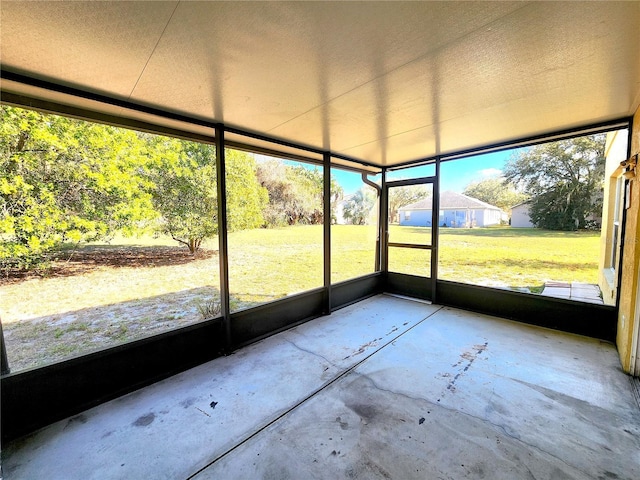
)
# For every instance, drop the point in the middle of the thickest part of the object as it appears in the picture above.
(102, 296)
(38, 341)
(78, 262)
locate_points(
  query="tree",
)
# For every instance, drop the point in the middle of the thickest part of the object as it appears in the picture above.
(496, 191)
(311, 182)
(357, 209)
(295, 193)
(401, 196)
(185, 191)
(564, 180)
(246, 198)
(284, 207)
(65, 180)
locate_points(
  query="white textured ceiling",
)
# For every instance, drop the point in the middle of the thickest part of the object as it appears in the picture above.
(384, 82)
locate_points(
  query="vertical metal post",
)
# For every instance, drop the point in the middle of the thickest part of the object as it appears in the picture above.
(384, 224)
(223, 249)
(376, 266)
(4, 363)
(378, 188)
(326, 208)
(435, 229)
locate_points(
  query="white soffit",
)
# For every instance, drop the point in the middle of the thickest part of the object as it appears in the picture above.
(384, 82)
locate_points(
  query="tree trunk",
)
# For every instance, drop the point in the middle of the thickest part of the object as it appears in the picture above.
(194, 245)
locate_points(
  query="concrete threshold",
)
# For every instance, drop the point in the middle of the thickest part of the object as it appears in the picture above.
(581, 292)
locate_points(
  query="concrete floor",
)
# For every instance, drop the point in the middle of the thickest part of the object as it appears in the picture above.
(386, 388)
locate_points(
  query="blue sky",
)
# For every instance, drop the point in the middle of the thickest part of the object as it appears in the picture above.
(455, 174)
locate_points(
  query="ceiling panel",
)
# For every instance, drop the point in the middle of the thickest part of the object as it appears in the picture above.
(101, 46)
(385, 82)
(527, 73)
(261, 65)
(19, 94)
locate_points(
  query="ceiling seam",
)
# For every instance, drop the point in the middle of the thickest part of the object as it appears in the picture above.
(399, 67)
(154, 50)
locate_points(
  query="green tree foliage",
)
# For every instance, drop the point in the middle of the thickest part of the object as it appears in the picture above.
(564, 180)
(284, 208)
(402, 196)
(495, 191)
(357, 209)
(185, 191)
(295, 193)
(246, 198)
(65, 180)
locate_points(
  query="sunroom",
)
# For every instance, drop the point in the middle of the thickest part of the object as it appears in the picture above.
(225, 180)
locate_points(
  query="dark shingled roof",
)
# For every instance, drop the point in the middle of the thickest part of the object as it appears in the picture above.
(449, 201)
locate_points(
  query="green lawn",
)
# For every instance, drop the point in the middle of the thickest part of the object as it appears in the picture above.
(508, 257)
(155, 286)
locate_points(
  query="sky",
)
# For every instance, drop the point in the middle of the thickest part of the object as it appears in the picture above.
(455, 175)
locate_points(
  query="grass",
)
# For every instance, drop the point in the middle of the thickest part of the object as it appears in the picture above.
(505, 257)
(91, 306)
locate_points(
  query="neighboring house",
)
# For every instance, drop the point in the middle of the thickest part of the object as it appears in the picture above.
(456, 210)
(520, 215)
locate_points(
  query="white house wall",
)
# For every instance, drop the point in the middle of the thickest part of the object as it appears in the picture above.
(457, 218)
(417, 218)
(460, 218)
(520, 217)
(486, 218)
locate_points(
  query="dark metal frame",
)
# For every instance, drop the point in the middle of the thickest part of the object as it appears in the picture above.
(223, 248)
(527, 141)
(326, 231)
(593, 320)
(52, 107)
(435, 232)
(37, 397)
(410, 284)
(4, 363)
(378, 190)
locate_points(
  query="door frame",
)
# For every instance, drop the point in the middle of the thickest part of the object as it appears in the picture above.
(435, 217)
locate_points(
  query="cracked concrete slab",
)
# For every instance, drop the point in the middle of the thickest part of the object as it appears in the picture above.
(386, 388)
(459, 396)
(358, 430)
(175, 427)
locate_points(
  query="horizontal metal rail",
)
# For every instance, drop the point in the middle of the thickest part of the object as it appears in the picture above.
(410, 181)
(410, 245)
